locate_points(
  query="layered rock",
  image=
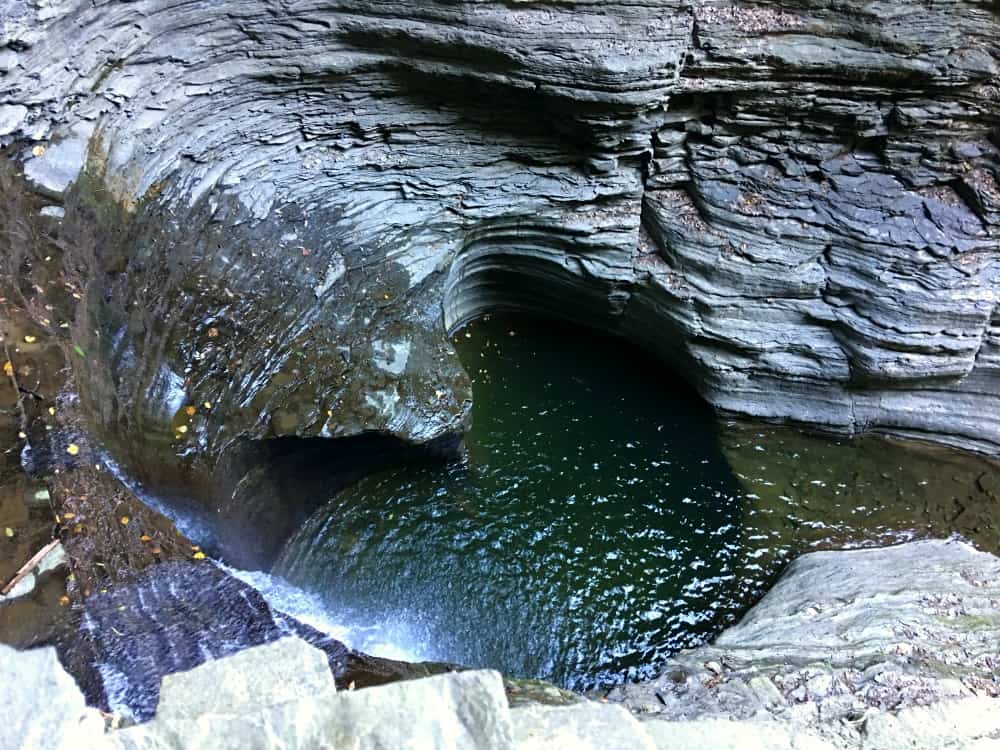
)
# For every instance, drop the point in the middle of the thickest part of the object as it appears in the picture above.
(798, 208)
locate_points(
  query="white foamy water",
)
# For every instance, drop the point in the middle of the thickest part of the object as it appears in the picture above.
(390, 639)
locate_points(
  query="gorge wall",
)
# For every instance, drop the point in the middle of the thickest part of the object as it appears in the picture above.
(269, 204)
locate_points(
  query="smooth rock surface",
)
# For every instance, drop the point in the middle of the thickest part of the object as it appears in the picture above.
(584, 726)
(42, 706)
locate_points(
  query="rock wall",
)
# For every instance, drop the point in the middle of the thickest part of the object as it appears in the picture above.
(796, 205)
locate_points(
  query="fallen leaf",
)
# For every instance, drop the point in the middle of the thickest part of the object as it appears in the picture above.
(9, 532)
(207, 404)
(64, 601)
(144, 538)
(199, 555)
(191, 411)
(38, 150)
(52, 410)
(8, 369)
(156, 550)
(182, 429)
(73, 449)
(124, 520)
(213, 332)
(30, 339)
(69, 516)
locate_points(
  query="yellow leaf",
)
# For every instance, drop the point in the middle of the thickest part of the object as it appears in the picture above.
(52, 410)
(8, 368)
(124, 520)
(21, 435)
(182, 429)
(69, 516)
(63, 601)
(73, 449)
(30, 339)
(9, 532)
(191, 411)
(207, 404)
(144, 538)
(199, 555)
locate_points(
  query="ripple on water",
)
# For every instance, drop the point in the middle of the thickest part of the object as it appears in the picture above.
(601, 521)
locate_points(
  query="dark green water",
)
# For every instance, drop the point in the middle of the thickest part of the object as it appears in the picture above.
(603, 519)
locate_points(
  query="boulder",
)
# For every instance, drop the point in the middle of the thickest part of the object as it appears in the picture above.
(284, 671)
(43, 709)
(253, 706)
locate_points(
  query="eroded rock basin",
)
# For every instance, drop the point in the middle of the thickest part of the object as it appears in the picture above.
(603, 519)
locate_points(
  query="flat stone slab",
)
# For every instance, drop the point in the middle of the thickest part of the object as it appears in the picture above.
(582, 726)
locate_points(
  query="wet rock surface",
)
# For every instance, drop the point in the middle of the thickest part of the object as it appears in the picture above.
(178, 615)
(797, 208)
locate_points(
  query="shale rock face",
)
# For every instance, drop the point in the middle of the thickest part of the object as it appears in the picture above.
(799, 208)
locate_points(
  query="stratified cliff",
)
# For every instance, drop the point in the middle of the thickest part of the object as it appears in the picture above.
(285, 204)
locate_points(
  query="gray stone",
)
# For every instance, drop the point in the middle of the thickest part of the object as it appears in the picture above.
(723, 734)
(280, 672)
(11, 117)
(457, 711)
(42, 706)
(973, 723)
(53, 212)
(582, 726)
(61, 162)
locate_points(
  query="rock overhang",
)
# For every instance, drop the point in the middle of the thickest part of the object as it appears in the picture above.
(315, 181)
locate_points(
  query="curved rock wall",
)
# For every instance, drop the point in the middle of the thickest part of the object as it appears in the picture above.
(799, 207)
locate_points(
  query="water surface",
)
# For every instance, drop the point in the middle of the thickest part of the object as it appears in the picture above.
(603, 518)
